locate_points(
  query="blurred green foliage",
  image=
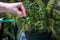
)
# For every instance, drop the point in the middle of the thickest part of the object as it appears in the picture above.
(41, 16)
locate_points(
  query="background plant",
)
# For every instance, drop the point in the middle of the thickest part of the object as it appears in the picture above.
(42, 16)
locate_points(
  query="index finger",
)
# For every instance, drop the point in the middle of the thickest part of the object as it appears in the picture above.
(23, 9)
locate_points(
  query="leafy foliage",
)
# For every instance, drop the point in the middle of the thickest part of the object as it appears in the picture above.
(42, 16)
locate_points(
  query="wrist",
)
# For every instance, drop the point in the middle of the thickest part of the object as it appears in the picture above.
(4, 7)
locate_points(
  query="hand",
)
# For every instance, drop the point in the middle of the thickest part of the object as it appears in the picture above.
(17, 8)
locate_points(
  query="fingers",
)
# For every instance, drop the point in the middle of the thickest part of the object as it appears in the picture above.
(23, 9)
(19, 9)
(19, 13)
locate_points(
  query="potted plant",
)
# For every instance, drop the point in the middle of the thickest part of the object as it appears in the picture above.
(39, 23)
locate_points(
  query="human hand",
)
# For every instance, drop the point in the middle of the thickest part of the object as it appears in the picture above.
(17, 8)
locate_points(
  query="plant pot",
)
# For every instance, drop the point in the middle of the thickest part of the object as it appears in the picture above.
(37, 36)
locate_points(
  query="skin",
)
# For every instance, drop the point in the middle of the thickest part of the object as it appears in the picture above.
(17, 8)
